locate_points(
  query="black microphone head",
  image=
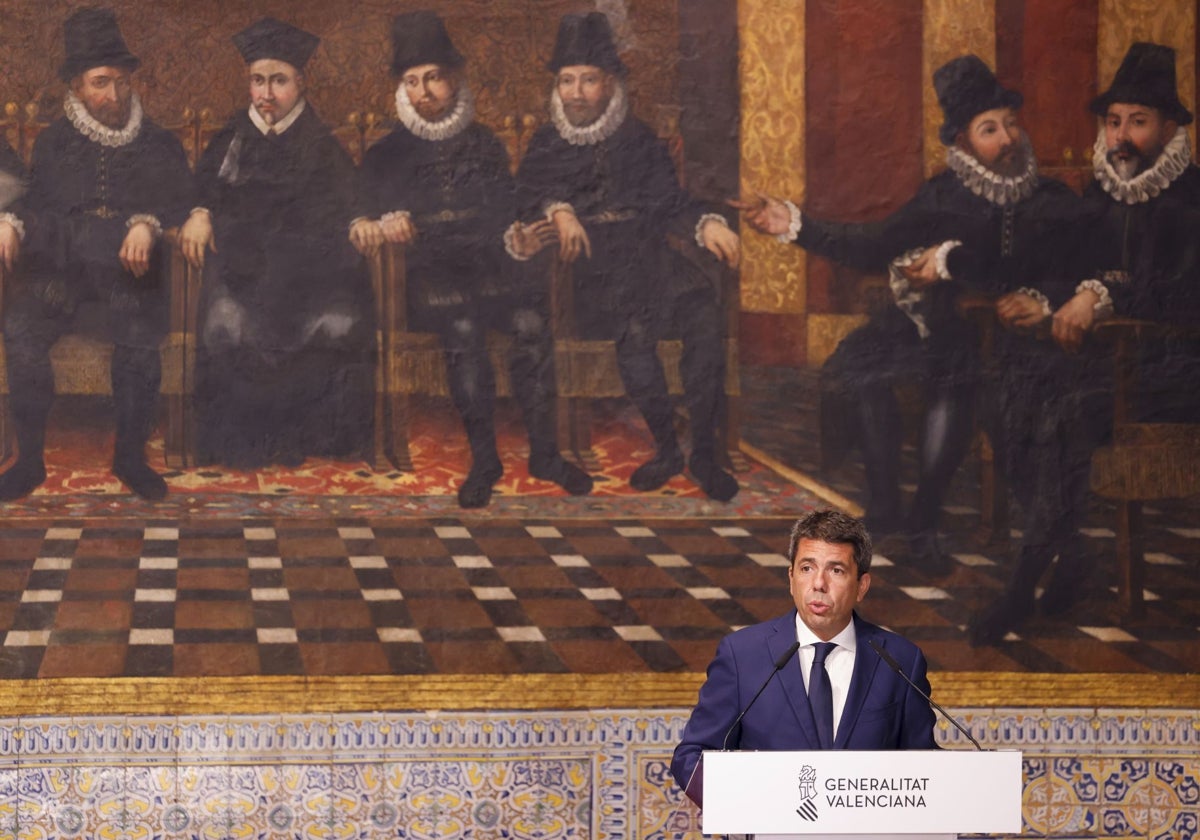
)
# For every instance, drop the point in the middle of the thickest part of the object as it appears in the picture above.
(884, 655)
(787, 654)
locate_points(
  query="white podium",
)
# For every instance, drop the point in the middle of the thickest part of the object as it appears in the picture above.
(844, 794)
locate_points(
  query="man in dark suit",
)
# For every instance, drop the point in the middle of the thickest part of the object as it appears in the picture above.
(839, 695)
(105, 182)
(606, 184)
(1140, 259)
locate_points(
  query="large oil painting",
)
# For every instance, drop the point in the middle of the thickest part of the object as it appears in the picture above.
(401, 401)
(381, 340)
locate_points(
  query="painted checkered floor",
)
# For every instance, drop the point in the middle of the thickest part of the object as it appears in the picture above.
(403, 596)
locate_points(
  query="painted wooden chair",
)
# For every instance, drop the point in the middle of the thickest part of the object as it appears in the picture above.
(587, 369)
(411, 363)
(1144, 461)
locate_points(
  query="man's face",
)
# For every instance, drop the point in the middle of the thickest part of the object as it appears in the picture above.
(431, 89)
(826, 586)
(994, 139)
(585, 92)
(106, 93)
(1135, 135)
(275, 88)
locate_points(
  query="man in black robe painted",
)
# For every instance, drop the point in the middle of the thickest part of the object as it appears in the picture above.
(105, 181)
(440, 184)
(284, 365)
(988, 224)
(610, 190)
(1141, 259)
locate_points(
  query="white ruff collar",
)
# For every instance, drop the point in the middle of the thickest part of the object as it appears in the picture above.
(94, 130)
(1001, 190)
(1144, 186)
(445, 128)
(599, 131)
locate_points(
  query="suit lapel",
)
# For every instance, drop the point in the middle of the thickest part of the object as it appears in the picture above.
(865, 663)
(791, 678)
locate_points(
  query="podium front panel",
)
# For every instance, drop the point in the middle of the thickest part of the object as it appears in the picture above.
(845, 792)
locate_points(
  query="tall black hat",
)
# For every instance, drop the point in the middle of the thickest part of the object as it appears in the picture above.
(94, 40)
(586, 39)
(421, 38)
(271, 38)
(1146, 77)
(966, 87)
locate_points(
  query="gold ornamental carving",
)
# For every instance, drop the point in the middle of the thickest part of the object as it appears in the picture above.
(772, 78)
(454, 692)
(951, 28)
(1169, 22)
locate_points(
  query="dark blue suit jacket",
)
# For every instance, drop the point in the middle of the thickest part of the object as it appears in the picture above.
(882, 711)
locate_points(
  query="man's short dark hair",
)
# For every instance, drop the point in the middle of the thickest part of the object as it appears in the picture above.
(833, 526)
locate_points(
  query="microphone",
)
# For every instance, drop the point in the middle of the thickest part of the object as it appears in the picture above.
(895, 666)
(779, 663)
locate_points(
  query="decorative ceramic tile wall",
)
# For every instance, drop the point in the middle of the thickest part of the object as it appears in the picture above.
(543, 775)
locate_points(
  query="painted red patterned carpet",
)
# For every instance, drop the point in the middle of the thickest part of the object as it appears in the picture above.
(79, 482)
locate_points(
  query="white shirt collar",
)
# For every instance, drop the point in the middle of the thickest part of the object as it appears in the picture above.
(90, 127)
(1172, 163)
(603, 128)
(1002, 190)
(445, 128)
(847, 639)
(281, 126)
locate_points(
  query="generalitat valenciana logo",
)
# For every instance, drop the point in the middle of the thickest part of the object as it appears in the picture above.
(808, 793)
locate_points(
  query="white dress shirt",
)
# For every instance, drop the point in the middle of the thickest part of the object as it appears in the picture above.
(839, 664)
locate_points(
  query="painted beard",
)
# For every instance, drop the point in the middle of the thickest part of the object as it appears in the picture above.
(1128, 161)
(1012, 162)
(433, 111)
(581, 114)
(111, 114)
(268, 111)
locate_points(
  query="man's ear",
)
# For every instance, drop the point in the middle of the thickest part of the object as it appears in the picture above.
(1168, 130)
(864, 583)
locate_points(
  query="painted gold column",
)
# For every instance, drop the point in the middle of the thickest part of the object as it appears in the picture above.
(1169, 22)
(952, 28)
(771, 70)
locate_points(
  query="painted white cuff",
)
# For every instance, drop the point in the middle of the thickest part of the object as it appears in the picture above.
(705, 219)
(1039, 297)
(145, 219)
(554, 206)
(942, 254)
(1104, 306)
(396, 215)
(16, 223)
(797, 222)
(510, 243)
(203, 210)
(906, 296)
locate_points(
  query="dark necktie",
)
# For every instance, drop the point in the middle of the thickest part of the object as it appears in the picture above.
(820, 694)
